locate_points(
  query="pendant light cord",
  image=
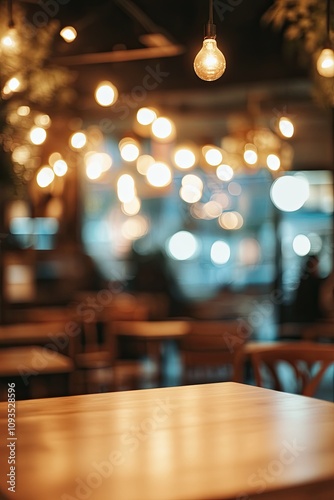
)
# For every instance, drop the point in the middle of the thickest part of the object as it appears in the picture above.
(211, 11)
(10, 14)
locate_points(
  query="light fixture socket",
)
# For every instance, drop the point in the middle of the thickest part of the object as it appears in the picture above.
(210, 30)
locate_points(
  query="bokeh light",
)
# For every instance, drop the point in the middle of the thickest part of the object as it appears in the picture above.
(69, 34)
(213, 156)
(289, 193)
(301, 245)
(249, 252)
(224, 172)
(37, 135)
(182, 246)
(106, 94)
(143, 163)
(78, 140)
(286, 127)
(146, 116)
(45, 177)
(159, 175)
(273, 162)
(220, 252)
(60, 168)
(231, 220)
(184, 158)
(163, 128)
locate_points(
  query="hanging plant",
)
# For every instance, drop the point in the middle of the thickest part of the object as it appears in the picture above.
(29, 84)
(303, 22)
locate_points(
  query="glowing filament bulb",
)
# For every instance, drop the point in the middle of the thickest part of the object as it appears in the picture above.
(325, 63)
(210, 63)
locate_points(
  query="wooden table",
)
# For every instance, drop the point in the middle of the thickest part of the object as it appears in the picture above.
(30, 333)
(33, 368)
(205, 442)
(153, 334)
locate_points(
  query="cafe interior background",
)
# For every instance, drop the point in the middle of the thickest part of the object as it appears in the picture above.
(122, 169)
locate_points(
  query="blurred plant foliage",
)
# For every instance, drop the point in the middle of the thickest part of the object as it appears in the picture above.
(42, 85)
(304, 22)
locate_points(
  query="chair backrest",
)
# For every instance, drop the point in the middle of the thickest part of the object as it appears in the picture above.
(93, 336)
(309, 362)
(323, 331)
(213, 343)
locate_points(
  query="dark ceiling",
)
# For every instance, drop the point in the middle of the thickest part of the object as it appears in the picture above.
(257, 58)
(254, 52)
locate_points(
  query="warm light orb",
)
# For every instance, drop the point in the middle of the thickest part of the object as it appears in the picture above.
(146, 116)
(212, 209)
(224, 172)
(132, 207)
(106, 94)
(13, 84)
(286, 127)
(249, 252)
(60, 168)
(130, 151)
(213, 157)
(21, 154)
(78, 140)
(184, 158)
(182, 245)
(135, 227)
(126, 190)
(220, 253)
(69, 34)
(143, 163)
(54, 157)
(159, 175)
(231, 220)
(163, 128)
(45, 177)
(43, 121)
(210, 63)
(273, 162)
(190, 193)
(289, 193)
(10, 42)
(250, 154)
(325, 63)
(193, 180)
(23, 110)
(93, 170)
(234, 189)
(37, 135)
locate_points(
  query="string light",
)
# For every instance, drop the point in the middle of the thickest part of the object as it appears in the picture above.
(325, 62)
(10, 41)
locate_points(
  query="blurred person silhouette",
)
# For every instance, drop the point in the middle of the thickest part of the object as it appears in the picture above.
(306, 306)
(150, 274)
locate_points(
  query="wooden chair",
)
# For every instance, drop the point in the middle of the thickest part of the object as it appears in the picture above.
(308, 361)
(95, 355)
(322, 331)
(211, 345)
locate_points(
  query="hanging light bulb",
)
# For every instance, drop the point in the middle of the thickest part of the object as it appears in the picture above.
(325, 62)
(210, 63)
(69, 34)
(286, 127)
(10, 41)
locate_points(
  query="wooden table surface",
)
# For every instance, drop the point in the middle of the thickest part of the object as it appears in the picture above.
(30, 333)
(205, 442)
(32, 359)
(151, 330)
